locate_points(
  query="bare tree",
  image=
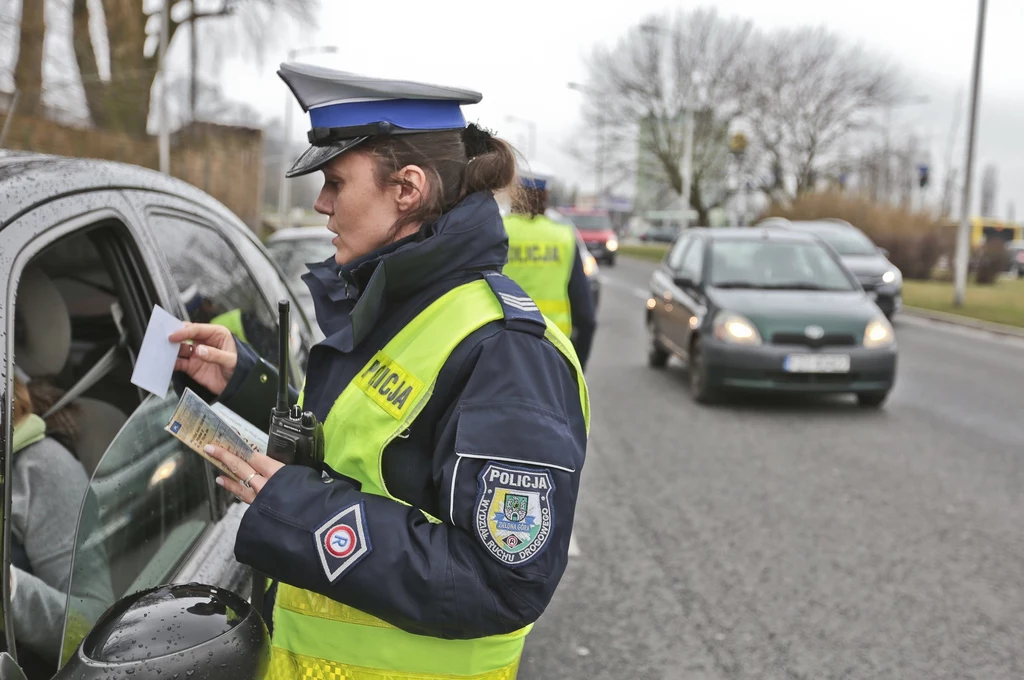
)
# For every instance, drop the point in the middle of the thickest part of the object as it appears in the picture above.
(28, 71)
(120, 99)
(807, 93)
(641, 90)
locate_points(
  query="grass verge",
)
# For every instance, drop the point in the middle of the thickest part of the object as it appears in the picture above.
(1002, 302)
(654, 251)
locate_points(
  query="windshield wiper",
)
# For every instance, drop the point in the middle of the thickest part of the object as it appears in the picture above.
(737, 284)
(796, 285)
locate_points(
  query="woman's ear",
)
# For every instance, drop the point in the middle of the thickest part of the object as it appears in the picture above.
(411, 187)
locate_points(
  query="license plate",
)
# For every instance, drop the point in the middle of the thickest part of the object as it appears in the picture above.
(817, 363)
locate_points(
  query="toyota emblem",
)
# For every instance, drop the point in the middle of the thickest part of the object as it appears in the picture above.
(814, 332)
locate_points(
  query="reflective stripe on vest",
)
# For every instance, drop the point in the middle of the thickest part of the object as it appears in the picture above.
(540, 257)
(231, 320)
(316, 637)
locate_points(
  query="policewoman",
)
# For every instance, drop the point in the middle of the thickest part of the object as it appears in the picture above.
(544, 258)
(455, 414)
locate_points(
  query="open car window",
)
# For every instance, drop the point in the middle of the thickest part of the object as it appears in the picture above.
(148, 503)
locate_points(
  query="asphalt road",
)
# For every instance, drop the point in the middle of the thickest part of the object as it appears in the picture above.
(795, 538)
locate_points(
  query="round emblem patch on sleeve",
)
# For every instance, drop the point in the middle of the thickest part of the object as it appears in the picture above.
(513, 512)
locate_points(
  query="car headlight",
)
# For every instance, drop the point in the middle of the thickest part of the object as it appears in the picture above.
(589, 265)
(879, 333)
(736, 329)
(891, 276)
(612, 244)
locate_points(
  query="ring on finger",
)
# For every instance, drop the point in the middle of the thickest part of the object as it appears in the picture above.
(245, 482)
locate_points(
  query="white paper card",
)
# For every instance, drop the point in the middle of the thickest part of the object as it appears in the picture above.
(156, 358)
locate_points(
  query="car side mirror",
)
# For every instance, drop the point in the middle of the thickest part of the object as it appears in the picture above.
(684, 282)
(174, 631)
(884, 252)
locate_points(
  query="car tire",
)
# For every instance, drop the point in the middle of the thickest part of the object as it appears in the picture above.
(657, 356)
(611, 261)
(700, 390)
(871, 399)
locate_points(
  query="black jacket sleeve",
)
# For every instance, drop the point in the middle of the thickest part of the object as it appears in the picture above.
(581, 305)
(506, 432)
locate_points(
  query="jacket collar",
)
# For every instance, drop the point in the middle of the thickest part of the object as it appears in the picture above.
(350, 299)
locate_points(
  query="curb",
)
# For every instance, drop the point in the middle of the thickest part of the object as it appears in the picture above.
(959, 320)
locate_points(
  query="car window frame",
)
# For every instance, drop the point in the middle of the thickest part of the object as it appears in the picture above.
(696, 242)
(175, 207)
(45, 224)
(682, 245)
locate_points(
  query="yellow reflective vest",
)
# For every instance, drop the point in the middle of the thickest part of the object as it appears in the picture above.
(316, 637)
(540, 258)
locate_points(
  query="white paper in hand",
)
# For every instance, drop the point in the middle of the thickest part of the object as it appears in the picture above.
(156, 358)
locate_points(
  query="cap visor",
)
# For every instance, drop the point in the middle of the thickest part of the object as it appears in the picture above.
(316, 157)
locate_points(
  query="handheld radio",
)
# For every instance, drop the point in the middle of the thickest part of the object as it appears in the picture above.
(295, 436)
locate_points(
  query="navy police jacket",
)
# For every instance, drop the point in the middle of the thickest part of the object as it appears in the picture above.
(442, 580)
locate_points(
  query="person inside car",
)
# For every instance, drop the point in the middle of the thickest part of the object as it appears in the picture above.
(48, 485)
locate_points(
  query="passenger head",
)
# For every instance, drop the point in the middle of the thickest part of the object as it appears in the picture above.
(22, 401)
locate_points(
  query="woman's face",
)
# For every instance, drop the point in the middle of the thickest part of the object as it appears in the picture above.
(360, 213)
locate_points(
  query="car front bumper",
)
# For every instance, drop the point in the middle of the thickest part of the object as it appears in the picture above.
(761, 368)
(889, 298)
(599, 249)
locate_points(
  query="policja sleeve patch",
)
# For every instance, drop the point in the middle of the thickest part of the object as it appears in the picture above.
(513, 512)
(342, 541)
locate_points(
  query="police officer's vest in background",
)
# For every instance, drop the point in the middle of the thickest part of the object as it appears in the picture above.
(316, 637)
(232, 320)
(540, 258)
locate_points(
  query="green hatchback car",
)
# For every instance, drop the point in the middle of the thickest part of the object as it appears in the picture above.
(763, 309)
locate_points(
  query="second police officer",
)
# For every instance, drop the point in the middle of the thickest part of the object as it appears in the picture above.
(455, 416)
(544, 258)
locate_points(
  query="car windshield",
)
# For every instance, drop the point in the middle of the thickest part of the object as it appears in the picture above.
(592, 222)
(776, 265)
(848, 241)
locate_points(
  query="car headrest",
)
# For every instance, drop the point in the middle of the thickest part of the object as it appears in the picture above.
(42, 339)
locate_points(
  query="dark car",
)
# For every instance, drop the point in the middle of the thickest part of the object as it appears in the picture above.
(767, 309)
(662, 234)
(90, 247)
(880, 278)
(598, 232)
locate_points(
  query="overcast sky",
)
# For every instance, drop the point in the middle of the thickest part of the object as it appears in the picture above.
(522, 56)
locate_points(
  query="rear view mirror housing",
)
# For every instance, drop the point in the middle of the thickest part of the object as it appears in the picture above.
(884, 252)
(193, 631)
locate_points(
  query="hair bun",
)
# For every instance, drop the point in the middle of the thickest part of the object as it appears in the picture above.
(477, 140)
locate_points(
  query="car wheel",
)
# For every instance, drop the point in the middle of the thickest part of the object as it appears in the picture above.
(611, 261)
(700, 389)
(871, 399)
(657, 356)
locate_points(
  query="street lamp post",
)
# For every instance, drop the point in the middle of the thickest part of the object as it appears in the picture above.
(963, 237)
(165, 135)
(284, 196)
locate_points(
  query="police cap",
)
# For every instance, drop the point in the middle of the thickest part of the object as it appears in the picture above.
(346, 109)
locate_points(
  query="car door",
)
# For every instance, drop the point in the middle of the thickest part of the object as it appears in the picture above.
(689, 308)
(665, 295)
(103, 275)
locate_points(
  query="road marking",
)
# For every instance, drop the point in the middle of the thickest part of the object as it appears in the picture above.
(574, 548)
